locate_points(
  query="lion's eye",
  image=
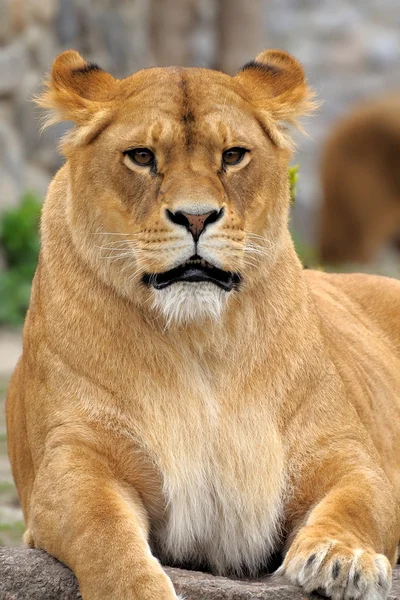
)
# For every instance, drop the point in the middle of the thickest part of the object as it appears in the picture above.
(233, 156)
(141, 156)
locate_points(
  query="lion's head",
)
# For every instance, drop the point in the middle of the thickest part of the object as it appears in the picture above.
(178, 187)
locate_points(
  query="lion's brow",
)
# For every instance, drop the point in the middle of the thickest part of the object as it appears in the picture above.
(187, 118)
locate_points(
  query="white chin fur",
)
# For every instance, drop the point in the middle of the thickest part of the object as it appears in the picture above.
(184, 302)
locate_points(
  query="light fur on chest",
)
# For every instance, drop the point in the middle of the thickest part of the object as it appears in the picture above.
(221, 466)
(224, 485)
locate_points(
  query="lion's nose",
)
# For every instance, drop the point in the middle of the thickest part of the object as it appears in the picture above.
(195, 223)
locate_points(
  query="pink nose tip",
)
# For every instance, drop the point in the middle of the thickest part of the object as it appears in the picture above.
(194, 223)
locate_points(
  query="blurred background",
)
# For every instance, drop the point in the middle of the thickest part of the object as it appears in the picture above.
(346, 215)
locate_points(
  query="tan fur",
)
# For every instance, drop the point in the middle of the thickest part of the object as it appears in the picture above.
(269, 421)
(360, 170)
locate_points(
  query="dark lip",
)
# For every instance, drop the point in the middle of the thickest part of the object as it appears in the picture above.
(194, 273)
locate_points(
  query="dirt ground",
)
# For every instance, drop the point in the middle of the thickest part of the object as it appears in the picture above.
(11, 521)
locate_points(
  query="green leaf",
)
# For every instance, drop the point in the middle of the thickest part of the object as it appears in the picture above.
(293, 179)
(19, 245)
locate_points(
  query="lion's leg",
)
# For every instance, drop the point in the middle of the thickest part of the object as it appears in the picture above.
(17, 441)
(81, 514)
(349, 540)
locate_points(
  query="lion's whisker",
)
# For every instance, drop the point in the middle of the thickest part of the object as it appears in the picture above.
(116, 256)
(116, 234)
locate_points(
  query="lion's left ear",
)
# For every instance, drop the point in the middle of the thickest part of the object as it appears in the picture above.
(275, 83)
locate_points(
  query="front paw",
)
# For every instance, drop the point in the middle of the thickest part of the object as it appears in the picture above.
(337, 570)
(155, 586)
(146, 584)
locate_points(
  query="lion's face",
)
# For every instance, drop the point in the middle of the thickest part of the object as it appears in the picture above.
(178, 181)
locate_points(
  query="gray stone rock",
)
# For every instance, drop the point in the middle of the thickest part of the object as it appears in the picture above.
(31, 575)
(13, 65)
(39, 148)
(384, 50)
(11, 166)
(36, 180)
(42, 11)
(45, 153)
(5, 22)
(42, 47)
(10, 191)
(6, 111)
(122, 36)
(67, 22)
(204, 39)
(27, 115)
(34, 575)
(115, 33)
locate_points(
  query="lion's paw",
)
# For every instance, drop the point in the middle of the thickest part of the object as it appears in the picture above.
(337, 571)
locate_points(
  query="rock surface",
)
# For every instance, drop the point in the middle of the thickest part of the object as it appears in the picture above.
(34, 575)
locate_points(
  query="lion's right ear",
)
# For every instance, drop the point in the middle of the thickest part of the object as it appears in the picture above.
(76, 91)
(276, 85)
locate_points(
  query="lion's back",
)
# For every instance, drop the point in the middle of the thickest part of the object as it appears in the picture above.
(359, 321)
(357, 300)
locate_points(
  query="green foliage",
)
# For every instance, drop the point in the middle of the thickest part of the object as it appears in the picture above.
(19, 246)
(293, 178)
(305, 252)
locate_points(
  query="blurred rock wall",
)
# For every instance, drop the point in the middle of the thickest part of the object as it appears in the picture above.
(32, 32)
(350, 49)
(351, 52)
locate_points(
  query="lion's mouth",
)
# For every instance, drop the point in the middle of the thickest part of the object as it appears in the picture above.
(194, 270)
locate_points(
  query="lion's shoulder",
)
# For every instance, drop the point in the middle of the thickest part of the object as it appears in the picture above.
(370, 300)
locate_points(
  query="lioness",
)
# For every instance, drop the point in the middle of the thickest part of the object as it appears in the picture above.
(360, 175)
(187, 391)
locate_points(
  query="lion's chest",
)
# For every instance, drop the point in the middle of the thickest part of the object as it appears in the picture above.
(223, 485)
